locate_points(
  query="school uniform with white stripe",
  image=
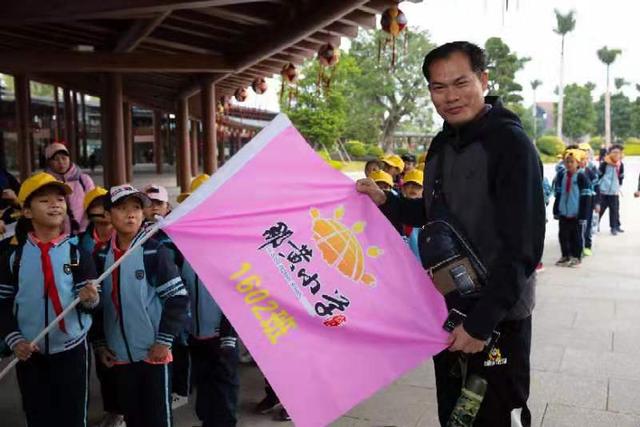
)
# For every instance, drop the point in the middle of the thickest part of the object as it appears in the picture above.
(145, 302)
(54, 382)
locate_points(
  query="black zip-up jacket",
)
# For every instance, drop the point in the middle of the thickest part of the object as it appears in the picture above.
(492, 184)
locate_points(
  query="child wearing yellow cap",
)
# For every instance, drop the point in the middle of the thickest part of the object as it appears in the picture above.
(572, 198)
(412, 189)
(53, 375)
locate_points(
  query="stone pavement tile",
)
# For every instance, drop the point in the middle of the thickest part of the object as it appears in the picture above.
(398, 405)
(597, 364)
(543, 318)
(546, 357)
(624, 396)
(627, 310)
(351, 422)
(558, 415)
(583, 339)
(568, 389)
(579, 305)
(594, 323)
(626, 341)
(422, 376)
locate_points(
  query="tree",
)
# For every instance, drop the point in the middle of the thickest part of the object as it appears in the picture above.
(607, 56)
(564, 25)
(619, 83)
(621, 113)
(535, 84)
(503, 65)
(579, 112)
(386, 99)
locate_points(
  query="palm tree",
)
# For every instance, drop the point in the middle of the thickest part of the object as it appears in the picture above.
(607, 56)
(534, 85)
(620, 82)
(565, 24)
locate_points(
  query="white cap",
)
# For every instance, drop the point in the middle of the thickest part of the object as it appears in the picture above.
(121, 192)
(156, 192)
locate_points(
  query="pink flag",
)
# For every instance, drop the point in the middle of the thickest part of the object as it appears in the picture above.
(323, 291)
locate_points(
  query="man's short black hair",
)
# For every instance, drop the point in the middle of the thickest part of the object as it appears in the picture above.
(616, 147)
(476, 55)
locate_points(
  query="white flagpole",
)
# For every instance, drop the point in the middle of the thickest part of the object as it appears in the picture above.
(150, 232)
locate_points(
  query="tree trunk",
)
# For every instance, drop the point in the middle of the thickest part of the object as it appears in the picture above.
(607, 113)
(561, 92)
(389, 128)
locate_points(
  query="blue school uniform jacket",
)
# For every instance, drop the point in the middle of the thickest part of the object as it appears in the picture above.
(152, 301)
(610, 178)
(576, 202)
(207, 319)
(25, 310)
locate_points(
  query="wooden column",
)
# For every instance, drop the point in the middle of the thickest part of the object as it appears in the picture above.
(23, 125)
(68, 119)
(183, 145)
(209, 146)
(74, 146)
(56, 112)
(113, 143)
(194, 148)
(157, 141)
(85, 149)
(128, 141)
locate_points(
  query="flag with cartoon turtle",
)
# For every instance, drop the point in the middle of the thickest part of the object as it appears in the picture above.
(323, 291)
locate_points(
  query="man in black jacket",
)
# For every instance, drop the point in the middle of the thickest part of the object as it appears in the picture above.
(489, 178)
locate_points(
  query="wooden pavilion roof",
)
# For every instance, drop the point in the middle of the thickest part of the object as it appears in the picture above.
(166, 49)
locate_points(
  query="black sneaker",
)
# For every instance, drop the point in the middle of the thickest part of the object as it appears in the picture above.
(283, 415)
(619, 230)
(614, 232)
(267, 405)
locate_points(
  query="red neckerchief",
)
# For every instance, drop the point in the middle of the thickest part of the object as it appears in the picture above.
(50, 288)
(568, 184)
(99, 244)
(115, 277)
(408, 230)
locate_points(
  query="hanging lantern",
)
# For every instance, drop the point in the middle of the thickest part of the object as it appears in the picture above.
(328, 56)
(241, 94)
(289, 75)
(393, 22)
(259, 85)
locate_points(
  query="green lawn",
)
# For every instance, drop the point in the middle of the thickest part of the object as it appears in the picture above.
(632, 150)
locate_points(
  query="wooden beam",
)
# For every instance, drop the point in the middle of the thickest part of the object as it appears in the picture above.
(194, 148)
(183, 146)
(340, 29)
(28, 11)
(360, 18)
(113, 145)
(138, 31)
(128, 140)
(377, 6)
(324, 14)
(76, 62)
(239, 17)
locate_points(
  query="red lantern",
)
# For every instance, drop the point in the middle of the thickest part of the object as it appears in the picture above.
(393, 22)
(240, 94)
(259, 85)
(289, 75)
(328, 56)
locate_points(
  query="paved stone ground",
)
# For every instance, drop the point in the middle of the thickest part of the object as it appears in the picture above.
(585, 344)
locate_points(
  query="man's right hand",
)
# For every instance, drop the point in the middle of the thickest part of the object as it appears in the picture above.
(369, 187)
(106, 356)
(24, 349)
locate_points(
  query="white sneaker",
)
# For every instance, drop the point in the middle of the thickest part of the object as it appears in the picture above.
(178, 401)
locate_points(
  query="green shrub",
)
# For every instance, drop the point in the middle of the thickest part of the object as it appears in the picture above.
(356, 148)
(632, 149)
(327, 158)
(401, 151)
(596, 142)
(550, 145)
(374, 150)
(631, 141)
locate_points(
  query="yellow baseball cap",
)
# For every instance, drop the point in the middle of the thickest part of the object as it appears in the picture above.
(422, 158)
(393, 160)
(416, 176)
(381, 176)
(420, 166)
(92, 195)
(585, 146)
(195, 183)
(579, 155)
(38, 181)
